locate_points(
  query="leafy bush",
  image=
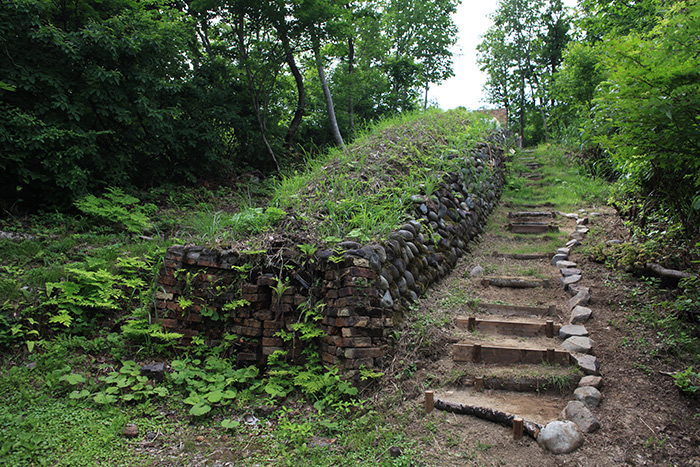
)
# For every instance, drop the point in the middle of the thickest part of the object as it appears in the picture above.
(688, 381)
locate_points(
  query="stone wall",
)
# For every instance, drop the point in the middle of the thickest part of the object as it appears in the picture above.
(359, 292)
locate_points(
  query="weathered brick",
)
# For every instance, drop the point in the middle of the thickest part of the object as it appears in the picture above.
(167, 280)
(347, 291)
(191, 257)
(249, 289)
(173, 305)
(299, 299)
(272, 341)
(253, 298)
(332, 294)
(272, 324)
(354, 332)
(249, 331)
(208, 262)
(171, 263)
(160, 295)
(357, 342)
(266, 281)
(330, 359)
(169, 323)
(246, 357)
(363, 353)
(263, 315)
(193, 318)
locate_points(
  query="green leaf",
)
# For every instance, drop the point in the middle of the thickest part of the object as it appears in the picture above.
(200, 409)
(215, 396)
(73, 379)
(229, 424)
(102, 398)
(79, 394)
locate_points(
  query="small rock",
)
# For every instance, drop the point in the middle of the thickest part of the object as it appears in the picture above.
(582, 297)
(395, 451)
(595, 214)
(572, 330)
(588, 363)
(200, 438)
(593, 381)
(155, 371)
(583, 230)
(131, 430)
(582, 221)
(558, 258)
(577, 412)
(576, 236)
(477, 271)
(614, 242)
(564, 251)
(318, 442)
(572, 243)
(578, 344)
(580, 314)
(566, 272)
(565, 264)
(589, 396)
(560, 437)
(387, 301)
(573, 279)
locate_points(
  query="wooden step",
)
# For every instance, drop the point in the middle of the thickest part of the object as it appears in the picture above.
(515, 310)
(532, 227)
(532, 214)
(522, 256)
(478, 353)
(511, 328)
(515, 282)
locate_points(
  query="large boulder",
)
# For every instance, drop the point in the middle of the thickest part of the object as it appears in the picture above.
(560, 437)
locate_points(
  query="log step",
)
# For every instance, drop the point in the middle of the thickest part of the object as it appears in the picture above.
(515, 310)
(515, 282)
(511, 328)
(532, 214)
(477, 353)
(522, 256)
(532, 227)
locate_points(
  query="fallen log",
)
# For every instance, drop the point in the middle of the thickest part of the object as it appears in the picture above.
(514, 282)
(532, 429)
(656, 268)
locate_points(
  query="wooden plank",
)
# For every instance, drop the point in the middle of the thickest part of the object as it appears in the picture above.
(429, 401)
(508, 355)
(511, 328)
(532, 214)
(515, 310)
(532, 227)
(514, 282)
(522, 256)
(517, 429)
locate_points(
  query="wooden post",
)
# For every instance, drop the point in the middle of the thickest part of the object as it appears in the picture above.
(429, 401)
(552, 310)
(549, 328)
(471, 324)
(479, 383)
(550, 356)
(517, 428)
(476, 353)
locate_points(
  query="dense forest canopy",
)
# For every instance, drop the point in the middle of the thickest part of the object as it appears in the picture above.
(618, 80)
(128, 92)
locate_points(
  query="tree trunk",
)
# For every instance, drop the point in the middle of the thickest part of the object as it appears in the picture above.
(351, 71)
(425, 99)
(301, 102)
(254, 93)
(326, 91)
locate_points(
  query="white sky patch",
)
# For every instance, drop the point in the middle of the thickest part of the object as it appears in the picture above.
(465, 88)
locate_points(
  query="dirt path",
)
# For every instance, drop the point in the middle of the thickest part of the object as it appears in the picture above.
(643, 418)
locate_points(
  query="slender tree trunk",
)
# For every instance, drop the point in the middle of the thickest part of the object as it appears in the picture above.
(254, 93)
(425, 99)
(351, 71)
(521, 116)
(326, 91)
(301, 102)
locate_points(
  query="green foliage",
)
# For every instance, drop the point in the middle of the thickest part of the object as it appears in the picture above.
(688, 381)
(646, 113)
(216, 383)
(221, 227)
(118, 208)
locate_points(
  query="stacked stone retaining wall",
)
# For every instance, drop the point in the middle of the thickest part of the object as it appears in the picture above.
(358, 293)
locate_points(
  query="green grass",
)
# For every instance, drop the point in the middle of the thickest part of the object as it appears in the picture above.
(364, 192)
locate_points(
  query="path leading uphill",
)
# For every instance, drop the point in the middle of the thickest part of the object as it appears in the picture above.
(537, 336)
